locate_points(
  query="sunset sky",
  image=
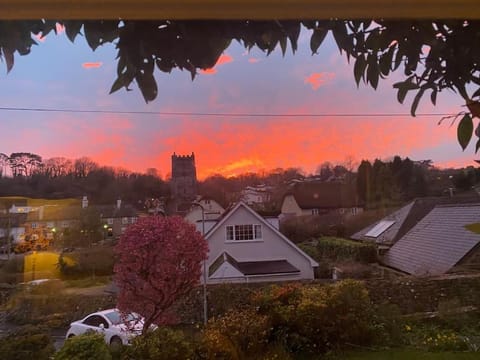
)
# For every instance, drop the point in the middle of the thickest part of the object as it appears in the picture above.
(58, 74)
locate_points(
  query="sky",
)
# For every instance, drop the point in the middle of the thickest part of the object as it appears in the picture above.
(59, 74)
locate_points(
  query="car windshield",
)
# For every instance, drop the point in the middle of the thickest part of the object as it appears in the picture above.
(117, 317)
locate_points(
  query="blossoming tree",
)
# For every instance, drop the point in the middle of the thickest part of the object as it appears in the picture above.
(158, 260)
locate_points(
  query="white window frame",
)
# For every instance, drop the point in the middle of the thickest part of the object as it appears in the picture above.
(124, 220)
(240, 233)
(33, 225)
(315, 212)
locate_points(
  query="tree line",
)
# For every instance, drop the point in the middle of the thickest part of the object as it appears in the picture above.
(27, 174)
(379, 183)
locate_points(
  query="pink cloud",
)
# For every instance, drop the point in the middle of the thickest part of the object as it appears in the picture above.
(40, 37)
(210, 71)
(319, 79)
(92, 65)
(253, 60)
(222, 60)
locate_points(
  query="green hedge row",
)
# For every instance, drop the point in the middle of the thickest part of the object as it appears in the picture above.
(338, 249)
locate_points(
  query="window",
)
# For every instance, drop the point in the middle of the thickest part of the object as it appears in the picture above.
(65, 224)
(380, 228)
(96, 320)
(133, 220)
(314, 211)
(110, 221)
(34, 225)
(244, 232)
(124, 220)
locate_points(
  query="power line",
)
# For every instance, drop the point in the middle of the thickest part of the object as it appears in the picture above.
(180, 113)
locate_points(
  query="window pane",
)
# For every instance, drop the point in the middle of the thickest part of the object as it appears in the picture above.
(230, 233)
(258, 232)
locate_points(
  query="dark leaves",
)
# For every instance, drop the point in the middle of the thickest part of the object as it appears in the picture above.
(465, 131)
(317, 38)
(404, 87)
(359, 69)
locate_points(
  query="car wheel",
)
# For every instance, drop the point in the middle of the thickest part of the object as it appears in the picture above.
(116, 342)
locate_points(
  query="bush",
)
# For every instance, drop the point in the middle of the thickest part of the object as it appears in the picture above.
(160, 344)
(27, 343)
(343, 249)
(54, 308)
(236, 335)
(97, 260)
(84, 347)
(317, 319)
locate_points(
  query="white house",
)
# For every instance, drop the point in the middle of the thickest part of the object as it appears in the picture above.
(244, 247)
(256, 195)
(211, 212)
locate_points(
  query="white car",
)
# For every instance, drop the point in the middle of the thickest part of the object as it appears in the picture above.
(115, 329)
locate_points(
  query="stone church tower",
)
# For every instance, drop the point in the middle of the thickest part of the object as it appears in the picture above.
(184, 179)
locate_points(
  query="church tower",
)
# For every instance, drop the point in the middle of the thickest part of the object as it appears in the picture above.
(184, 178)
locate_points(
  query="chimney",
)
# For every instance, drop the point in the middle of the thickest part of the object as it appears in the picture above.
(119, 203)
(84, 202)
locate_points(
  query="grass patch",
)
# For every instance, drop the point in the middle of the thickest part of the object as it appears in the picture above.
(88, 282)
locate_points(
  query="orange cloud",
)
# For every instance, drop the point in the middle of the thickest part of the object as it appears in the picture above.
(210, 71)
(222, 60)
(92, 65)
(318, 79)
(253, 60)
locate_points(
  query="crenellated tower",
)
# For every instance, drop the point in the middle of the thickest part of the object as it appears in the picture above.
(184, 178)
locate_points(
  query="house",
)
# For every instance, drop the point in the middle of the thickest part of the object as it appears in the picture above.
(442, 242)
(116, 218)
(44, 221)
(394, 226)
(244, 247)
(203, 213)
(256, 195)
(12, 225)
(317, 198)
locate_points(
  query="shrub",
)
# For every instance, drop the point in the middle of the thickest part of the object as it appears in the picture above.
(317, 318)
(84, 347)
(97, 260)
(236, 335)
(27, 343)
(343, 249)
(160, 344)
(60, 309)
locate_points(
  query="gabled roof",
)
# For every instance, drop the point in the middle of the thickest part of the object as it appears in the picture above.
(438, 242)
(252, 268)
(112, 211)
(54, 213)
(408, 216)
(230, 212)
(324, 195)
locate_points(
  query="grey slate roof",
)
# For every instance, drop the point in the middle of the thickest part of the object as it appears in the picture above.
(390, 234)
(437, 243)
(409, 216)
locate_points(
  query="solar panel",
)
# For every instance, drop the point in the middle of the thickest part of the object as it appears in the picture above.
(380, 228)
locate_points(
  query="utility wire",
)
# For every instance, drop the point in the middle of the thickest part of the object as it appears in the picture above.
(174, 113)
